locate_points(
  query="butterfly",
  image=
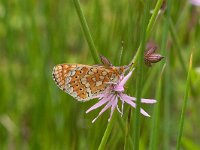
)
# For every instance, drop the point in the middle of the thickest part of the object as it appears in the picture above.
(84, 82)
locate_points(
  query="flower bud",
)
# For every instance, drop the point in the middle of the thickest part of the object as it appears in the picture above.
(150, 56)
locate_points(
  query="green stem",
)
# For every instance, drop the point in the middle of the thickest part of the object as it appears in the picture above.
(184, 105)
(155, 119)
(148, 30)
(107, 132)
(177, 43)
(139, 77)
(127, 130)
(149, 27)
(86, 32)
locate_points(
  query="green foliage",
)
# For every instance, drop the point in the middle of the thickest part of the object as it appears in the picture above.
(36, 35)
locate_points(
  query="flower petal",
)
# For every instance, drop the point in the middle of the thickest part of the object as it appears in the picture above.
(99, 104)
(108, 105)
(120, 86)
(125, 96)
(134, 105)
(99, 96)
(148, 101)
(119, 110)
(143, 100)
(122, 110)
(114, 104)
(195, 2)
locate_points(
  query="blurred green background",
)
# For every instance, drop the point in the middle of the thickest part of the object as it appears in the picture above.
(36, 35)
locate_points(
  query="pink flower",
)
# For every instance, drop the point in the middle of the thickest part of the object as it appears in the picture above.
(195, 2)
(112, 94)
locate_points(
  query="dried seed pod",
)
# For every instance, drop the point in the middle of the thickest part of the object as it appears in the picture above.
(150, 56)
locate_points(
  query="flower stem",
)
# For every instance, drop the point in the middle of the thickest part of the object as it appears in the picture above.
(139, 76)
(127, 130)
(86, 32)
(156, 118)
(148, 30)
(177, 44)
(184, 105)
(107, 132)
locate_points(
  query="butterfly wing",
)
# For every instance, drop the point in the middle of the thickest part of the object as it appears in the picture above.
(83, 82)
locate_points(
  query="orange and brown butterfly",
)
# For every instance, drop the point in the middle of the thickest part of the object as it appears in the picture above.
(84, 82)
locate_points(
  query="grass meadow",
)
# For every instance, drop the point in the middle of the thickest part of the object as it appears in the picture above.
(37, 35)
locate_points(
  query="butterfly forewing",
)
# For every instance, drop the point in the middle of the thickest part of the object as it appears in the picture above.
(84, 82)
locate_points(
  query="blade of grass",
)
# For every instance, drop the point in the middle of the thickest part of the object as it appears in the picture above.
(127, 130)
(152, 20)
(148, 30)
(86, 31)
(177, 43)
(179, 49)
(107, 132)
(167, 95)
(181, 123)
(140, 60)
(149, 27)
(110, 124)
(155, 119)
(168, 83)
